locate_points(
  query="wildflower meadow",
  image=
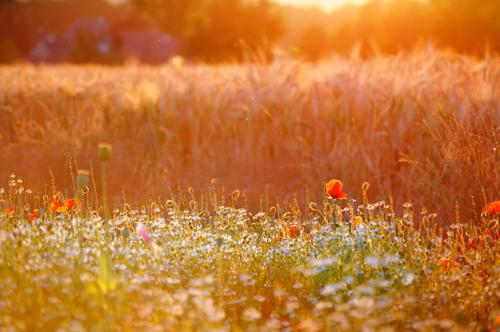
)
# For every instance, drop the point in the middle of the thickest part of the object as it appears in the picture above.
(210, 264)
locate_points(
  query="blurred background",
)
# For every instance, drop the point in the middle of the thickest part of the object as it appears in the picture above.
(153, 31)
(408, 98)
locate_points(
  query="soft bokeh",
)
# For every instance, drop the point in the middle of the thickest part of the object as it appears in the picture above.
(229, 30)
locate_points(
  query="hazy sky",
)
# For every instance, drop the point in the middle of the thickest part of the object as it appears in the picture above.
(326, 4)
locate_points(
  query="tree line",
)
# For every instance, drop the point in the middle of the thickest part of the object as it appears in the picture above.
(222, 30)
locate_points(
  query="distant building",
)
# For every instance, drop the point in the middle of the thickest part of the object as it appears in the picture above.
(149, 46)
(93, 40)
(50, 49)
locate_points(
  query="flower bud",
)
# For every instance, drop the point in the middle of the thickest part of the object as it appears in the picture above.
(104, 151)
(82, 178)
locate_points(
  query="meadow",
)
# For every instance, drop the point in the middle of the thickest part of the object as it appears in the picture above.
(190, 197)
(342, 266)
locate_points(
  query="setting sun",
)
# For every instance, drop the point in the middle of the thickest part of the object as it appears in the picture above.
(325, 4)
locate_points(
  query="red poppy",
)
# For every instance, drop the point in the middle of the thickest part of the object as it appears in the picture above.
(10, 210)
(445, 263)
(293, 230)
(58, 206)
(491, 208)
(492, 235)
(55, 204)
(34, 215)
(473, 243)
(334, 189)
(71, 203)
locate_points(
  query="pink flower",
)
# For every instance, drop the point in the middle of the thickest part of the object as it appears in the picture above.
(144, 234)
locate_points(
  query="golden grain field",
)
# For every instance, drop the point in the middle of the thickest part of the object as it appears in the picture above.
(421, 127)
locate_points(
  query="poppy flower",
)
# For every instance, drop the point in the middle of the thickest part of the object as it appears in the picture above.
(34, 215)
(71, 203)
(473, 243)
(293, 230)
(334, 189)
(492, 235)
(58, 206)
(491, 208)
(10, 211)
(445, 263)
(55, 204)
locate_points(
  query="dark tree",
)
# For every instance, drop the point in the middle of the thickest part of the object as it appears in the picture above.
(215, 30)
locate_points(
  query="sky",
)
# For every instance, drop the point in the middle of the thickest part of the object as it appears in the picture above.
(325, 4)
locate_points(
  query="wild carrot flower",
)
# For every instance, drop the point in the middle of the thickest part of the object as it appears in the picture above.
(334, 189)
(34, 215)
(491, 209)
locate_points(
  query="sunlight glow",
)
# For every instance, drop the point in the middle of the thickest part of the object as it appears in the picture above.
(325, 4)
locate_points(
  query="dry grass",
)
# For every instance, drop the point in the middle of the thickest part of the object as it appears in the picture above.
(421, 127)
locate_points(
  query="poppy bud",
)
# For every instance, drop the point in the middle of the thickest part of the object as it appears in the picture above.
(104, 151)
(82, 178)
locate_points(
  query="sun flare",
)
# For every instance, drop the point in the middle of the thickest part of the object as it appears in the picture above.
(325, 4)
